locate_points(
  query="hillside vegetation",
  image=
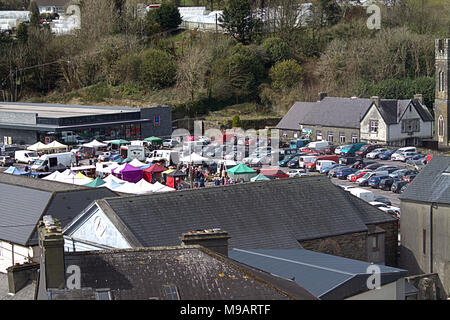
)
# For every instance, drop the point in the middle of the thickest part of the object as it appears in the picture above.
(119, 58)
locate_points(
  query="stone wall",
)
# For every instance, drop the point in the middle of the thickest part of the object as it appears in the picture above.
(352, 246)
(286, 135)
(390, 242)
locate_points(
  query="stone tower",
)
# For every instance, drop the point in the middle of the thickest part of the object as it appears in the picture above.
(442, 93)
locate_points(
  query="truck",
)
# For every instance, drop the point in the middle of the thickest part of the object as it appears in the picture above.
(318, 145)
(363, 194)
(312, 165)
(350, 149)
(51, 161)
(70, 137)
(25, 156)
(298, 143)
(170, 157)
(133, 152)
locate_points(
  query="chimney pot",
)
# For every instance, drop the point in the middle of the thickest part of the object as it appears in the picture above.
(376, 100)
(213, 239)
(419, 97)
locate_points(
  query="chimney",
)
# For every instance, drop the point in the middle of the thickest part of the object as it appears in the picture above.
(51, 242)
(419, 97)
(20, 275)
(213, 239)
(376, 100)
(322, 95)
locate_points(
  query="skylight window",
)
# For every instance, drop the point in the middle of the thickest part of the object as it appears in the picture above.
(171, 292)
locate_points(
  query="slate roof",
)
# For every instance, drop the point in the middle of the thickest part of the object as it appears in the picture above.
(197, 273)
(346, 112)
(266, 214)
(432, 184)
(324, 275)
(25, 200)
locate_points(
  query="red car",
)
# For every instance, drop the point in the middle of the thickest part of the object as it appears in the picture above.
(358, 174)
(309, 150)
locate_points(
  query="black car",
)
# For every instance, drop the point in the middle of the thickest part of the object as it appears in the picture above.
(293, 163)
(348, 160)
(361, 164)
(383, 200)
(373, 166)
(386, 184)
(397, 185)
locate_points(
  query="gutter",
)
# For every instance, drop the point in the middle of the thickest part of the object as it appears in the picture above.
(433, 204)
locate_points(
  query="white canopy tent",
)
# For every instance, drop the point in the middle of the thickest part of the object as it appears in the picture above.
(136, 163)
(113, 178)
(194, 158)
(159, 187)
(54, 145)
(94, 144)
(38, 146)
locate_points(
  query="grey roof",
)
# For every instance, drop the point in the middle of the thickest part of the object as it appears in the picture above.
(197, 273)
(267, 214)
(26, 293)
(58, 3)
(432, 184)
(324, 275)
(346, 112)
(23, 204)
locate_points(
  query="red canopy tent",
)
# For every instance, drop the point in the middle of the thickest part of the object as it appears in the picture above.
(174, 178)
(153, 172)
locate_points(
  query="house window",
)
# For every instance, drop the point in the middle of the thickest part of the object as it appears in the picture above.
(375, 243)
(330, 136)
(441, 81)
(424, 241)
(156, 121)
(318, 135)
(373, 126)
(441, 126)
(171, 292)
(342, 137)
(410, 125)
(354, 138)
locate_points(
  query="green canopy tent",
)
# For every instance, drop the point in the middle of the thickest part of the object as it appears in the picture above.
(127, 160)
(120, 142)
(260, 177)
(119, 160)
(154, 141)
(241, 171)
(97, 182)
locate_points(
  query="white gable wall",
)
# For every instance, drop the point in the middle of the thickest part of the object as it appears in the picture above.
(382, 135)
(426, 128)
(88, 229)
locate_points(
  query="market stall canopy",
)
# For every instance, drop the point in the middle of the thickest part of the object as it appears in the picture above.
(260, 177)
(168, 171)
(94, 144)
(55, 145)
(159, 187)
(112, 185)
(154, 140)
(38, 146)
(119, 142)
(145, 187)
(97, 182)
(136, 163)
(15, 171)
(148, 165)
(119, 160)
(55, 176)
(113, 178)
(177, 173)
(129, 173)
(194, 158)
(241, 169)
(156, 168)
(127, 160)
(128, 187)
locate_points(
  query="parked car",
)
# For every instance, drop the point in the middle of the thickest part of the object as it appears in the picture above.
(365, 149)
(358, 174)
(374, 181)
(350, 149)
(293, 163)
(397, 185)
(402, 189)
(6, 161)
(386, 208)
(373, 166)
(104, 156)
(383, 200)
(348, 160)
(286, 159)
(402, 150)
(416, 165)
(386, 183)
(342, 173)
(375, 153)
(332, 172)
(327, 170)
(410, 177)
(386, 155)
(330, 149)
(170, 143)
(364, 180)
(387, 168)
(362, 164)
(297, 173)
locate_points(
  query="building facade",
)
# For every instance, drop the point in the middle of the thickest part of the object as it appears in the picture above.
(442, 100)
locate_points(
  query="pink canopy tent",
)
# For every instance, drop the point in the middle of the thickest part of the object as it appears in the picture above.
(128, 173)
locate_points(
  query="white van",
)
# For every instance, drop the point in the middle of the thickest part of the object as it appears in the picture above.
(26, 156)
(133, 152)
(363, 194)
(303, 160)
(323, 164)
(319, 145)
(50, 161)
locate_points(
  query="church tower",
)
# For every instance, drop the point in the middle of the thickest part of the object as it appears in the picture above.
(442, 93)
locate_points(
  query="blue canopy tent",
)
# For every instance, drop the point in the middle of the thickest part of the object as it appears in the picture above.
(15, 171)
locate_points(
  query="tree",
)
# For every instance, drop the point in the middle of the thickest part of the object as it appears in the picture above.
(167, 16)
(285, 74)
(22, 33)
(236, 122)
(35, 19)
(238, 20)
(277, 49)
(158, 69)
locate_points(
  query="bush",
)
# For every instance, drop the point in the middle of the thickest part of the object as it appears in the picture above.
(285, 74)
(277, 49)
(158, 69)
(127, 69)
(236, 122)
(96, 93)
(167, 16)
